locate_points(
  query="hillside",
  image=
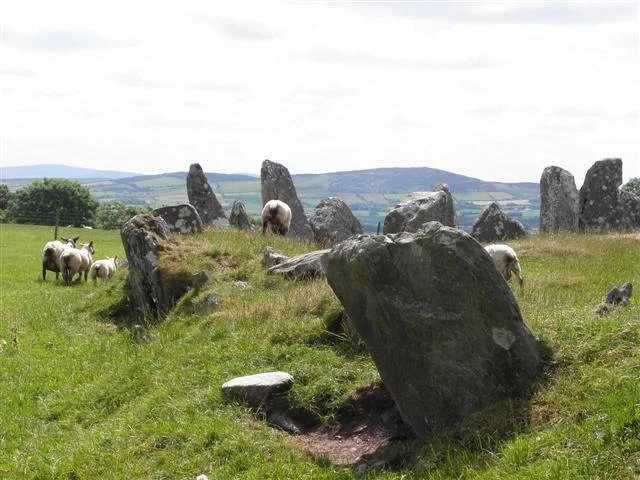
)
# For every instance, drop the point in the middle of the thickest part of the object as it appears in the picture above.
(58, 171)
(369, 193)
(87, 396)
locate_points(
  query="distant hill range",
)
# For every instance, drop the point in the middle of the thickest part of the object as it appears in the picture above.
(369, 193)
(58, 171)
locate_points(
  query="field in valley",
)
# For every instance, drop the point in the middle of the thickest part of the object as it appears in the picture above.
(83, 396)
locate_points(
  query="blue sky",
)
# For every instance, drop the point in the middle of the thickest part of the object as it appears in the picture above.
(495, 90)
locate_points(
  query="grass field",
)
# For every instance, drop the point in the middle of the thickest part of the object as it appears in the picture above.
(81, 398)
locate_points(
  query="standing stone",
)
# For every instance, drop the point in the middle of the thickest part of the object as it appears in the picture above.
(276, 184)
(202, 197)
(630, 204)
(238, 217)
(181, 219)
(332, 222)
(493, 225)
(419, 208)
(143, 238)
(600, 208)
(559, 201)
(440, 322)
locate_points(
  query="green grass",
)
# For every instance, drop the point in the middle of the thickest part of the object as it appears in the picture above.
(80, 398)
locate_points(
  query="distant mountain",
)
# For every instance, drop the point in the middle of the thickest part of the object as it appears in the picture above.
(59, 171)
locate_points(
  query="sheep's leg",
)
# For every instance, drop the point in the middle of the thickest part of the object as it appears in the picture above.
(518, 272)
(264, 227)
(44, 274)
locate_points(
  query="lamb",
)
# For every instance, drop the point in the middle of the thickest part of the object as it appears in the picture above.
(103, 269)
(506, 261)
(75, 260)
(277, 215)
(51, 255)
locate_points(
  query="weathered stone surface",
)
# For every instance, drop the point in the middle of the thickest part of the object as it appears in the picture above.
(256, 389)
(302, 267)
(201, 196)
(619, 295)
(183, 218)
(630, 205)
(143, 238)
(332, 222)
(419, 208)
(238, 217)
(207, 304)
(271, 258)
(600, 208)
(493, 225)
(276, 184)
(559, 201)
(440, 322)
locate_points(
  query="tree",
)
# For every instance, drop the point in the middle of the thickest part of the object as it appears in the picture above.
(111, 215)
(5, 197)
(45, 201)
(632, 186)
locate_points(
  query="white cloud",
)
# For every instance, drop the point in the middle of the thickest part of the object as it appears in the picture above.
(491, 90)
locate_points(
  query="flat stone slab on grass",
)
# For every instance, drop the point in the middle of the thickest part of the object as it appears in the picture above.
(255, 389)
(302, 267)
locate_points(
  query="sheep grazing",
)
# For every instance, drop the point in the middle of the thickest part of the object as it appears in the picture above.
(506, 261)
(103, 269)
(75, 260)
(277, 215)
(51, 255)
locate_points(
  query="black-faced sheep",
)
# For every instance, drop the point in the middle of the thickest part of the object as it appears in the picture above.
(277, 215)
(103, 269)
(75, 260)
(51, 255)
(506, 261)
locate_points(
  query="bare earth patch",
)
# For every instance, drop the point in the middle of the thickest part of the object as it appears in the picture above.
(362, 438)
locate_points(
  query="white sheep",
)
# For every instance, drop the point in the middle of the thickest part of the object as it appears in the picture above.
(277, 215)
(506, 261)
(103, 269)
(75, 260)
(51, 255)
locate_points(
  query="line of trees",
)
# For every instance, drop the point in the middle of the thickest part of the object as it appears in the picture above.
(62, 202)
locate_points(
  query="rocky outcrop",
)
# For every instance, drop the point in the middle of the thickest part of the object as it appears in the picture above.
(559, 201)
(181, 219)
(276, 184)
(493, 225)
(440, 322)
(600, 206)
(419, 208)
(302, 267)
(201, 196)
(238, 217)
(332, 222)
(256, 389)
(143, 238)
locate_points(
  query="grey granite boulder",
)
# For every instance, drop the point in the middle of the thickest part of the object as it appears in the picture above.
(201, 196)
(276, 184)
(419, 208)
(271, 258)
(301, 267)
(183, 218)
(143, 238)
(559, 201)
(332, 221)
(440, 322)
(630, 205)
(494, 225)
(256, 389)
(238, 217)
(600, 207)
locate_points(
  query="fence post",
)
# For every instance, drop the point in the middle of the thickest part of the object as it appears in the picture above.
(55, 232)
(378, 232)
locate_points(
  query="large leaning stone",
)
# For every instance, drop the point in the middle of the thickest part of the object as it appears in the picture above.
(143, 238)
(600, 208)
(440, 322)
(494, 225)
(202, 197)
(256, 389)
(301, 267)
(181, 218)
(419, 208)
(559, 201)
(276, 184)
(332, 221)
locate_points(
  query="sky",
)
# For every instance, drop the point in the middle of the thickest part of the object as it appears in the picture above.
(492, 90)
